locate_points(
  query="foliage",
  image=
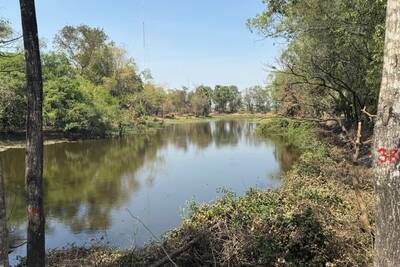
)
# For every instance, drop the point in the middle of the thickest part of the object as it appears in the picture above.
(89, 87)
(92, 86)
(295, 133)
(12, 93)
(72, 103)
(151, 100)
(257, 99)
(333, 60)
(88, 49)
(178, 100)
(227, 98)
(201, 101)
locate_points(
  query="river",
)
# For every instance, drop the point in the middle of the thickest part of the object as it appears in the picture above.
(90, 185)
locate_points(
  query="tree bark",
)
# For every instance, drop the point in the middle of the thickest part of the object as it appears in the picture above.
(3, 223)
(386, 146)
(34, 136)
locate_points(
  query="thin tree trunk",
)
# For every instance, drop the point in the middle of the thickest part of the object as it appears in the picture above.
(34, 136)
(357, 142)
(3, 223)
(386, 145)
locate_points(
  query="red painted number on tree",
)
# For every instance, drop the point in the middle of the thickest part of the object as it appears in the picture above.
(385, 157)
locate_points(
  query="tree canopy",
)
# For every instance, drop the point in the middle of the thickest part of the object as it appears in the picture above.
(333, 60)
(92, 86)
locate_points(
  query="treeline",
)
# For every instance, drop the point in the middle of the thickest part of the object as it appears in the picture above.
(92, 86)
(331, 67)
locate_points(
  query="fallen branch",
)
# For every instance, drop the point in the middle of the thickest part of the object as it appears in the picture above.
(175, 253)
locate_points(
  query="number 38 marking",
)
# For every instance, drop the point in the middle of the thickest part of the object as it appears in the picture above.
(385, 157)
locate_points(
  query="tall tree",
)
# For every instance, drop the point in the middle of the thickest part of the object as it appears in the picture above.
(226, 96)
(3, 224)
(34, 136)
(88, 49)
(332, 63)
(387, 144)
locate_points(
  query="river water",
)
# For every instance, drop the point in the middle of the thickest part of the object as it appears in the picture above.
(91, 185)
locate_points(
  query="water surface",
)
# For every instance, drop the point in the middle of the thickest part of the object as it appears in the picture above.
(89, 185)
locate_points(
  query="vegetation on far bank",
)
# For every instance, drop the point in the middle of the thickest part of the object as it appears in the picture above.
(312, 220)
(142, 125)
(93, 87)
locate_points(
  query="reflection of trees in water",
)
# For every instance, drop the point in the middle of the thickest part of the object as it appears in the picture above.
(182, 136)
(84, 181)
(202, 135)
(3, 224)
(284, 154)
(228, 133)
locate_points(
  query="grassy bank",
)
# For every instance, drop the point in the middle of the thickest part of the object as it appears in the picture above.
(313, 220)
(215, 117)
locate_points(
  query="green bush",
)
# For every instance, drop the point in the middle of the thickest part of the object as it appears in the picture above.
(296, 133)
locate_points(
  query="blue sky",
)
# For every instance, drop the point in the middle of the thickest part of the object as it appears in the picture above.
(188, 42)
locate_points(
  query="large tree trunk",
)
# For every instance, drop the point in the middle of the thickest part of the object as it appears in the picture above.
(386, 146)
(3, 223)
(34, 136)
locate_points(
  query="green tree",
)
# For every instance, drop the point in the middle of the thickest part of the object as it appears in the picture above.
(88, 48)
(248, 100)
(124, 84)
(179, 100)
(221, 97)
(334, 52)
(12, 93)
(257, 98)
(12, 82)
(151, 100)
(124, 80)
(72, 103)
(235, 99)
(201, 101)
(226, 98)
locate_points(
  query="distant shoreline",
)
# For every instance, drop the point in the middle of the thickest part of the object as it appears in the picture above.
(21, 144)
(17, 140)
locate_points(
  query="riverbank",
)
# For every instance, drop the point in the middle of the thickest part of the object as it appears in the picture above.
(141, 126)
(17, 139)
(313, 220)
(216, 117)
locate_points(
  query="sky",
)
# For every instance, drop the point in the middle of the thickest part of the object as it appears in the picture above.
(184, 42)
